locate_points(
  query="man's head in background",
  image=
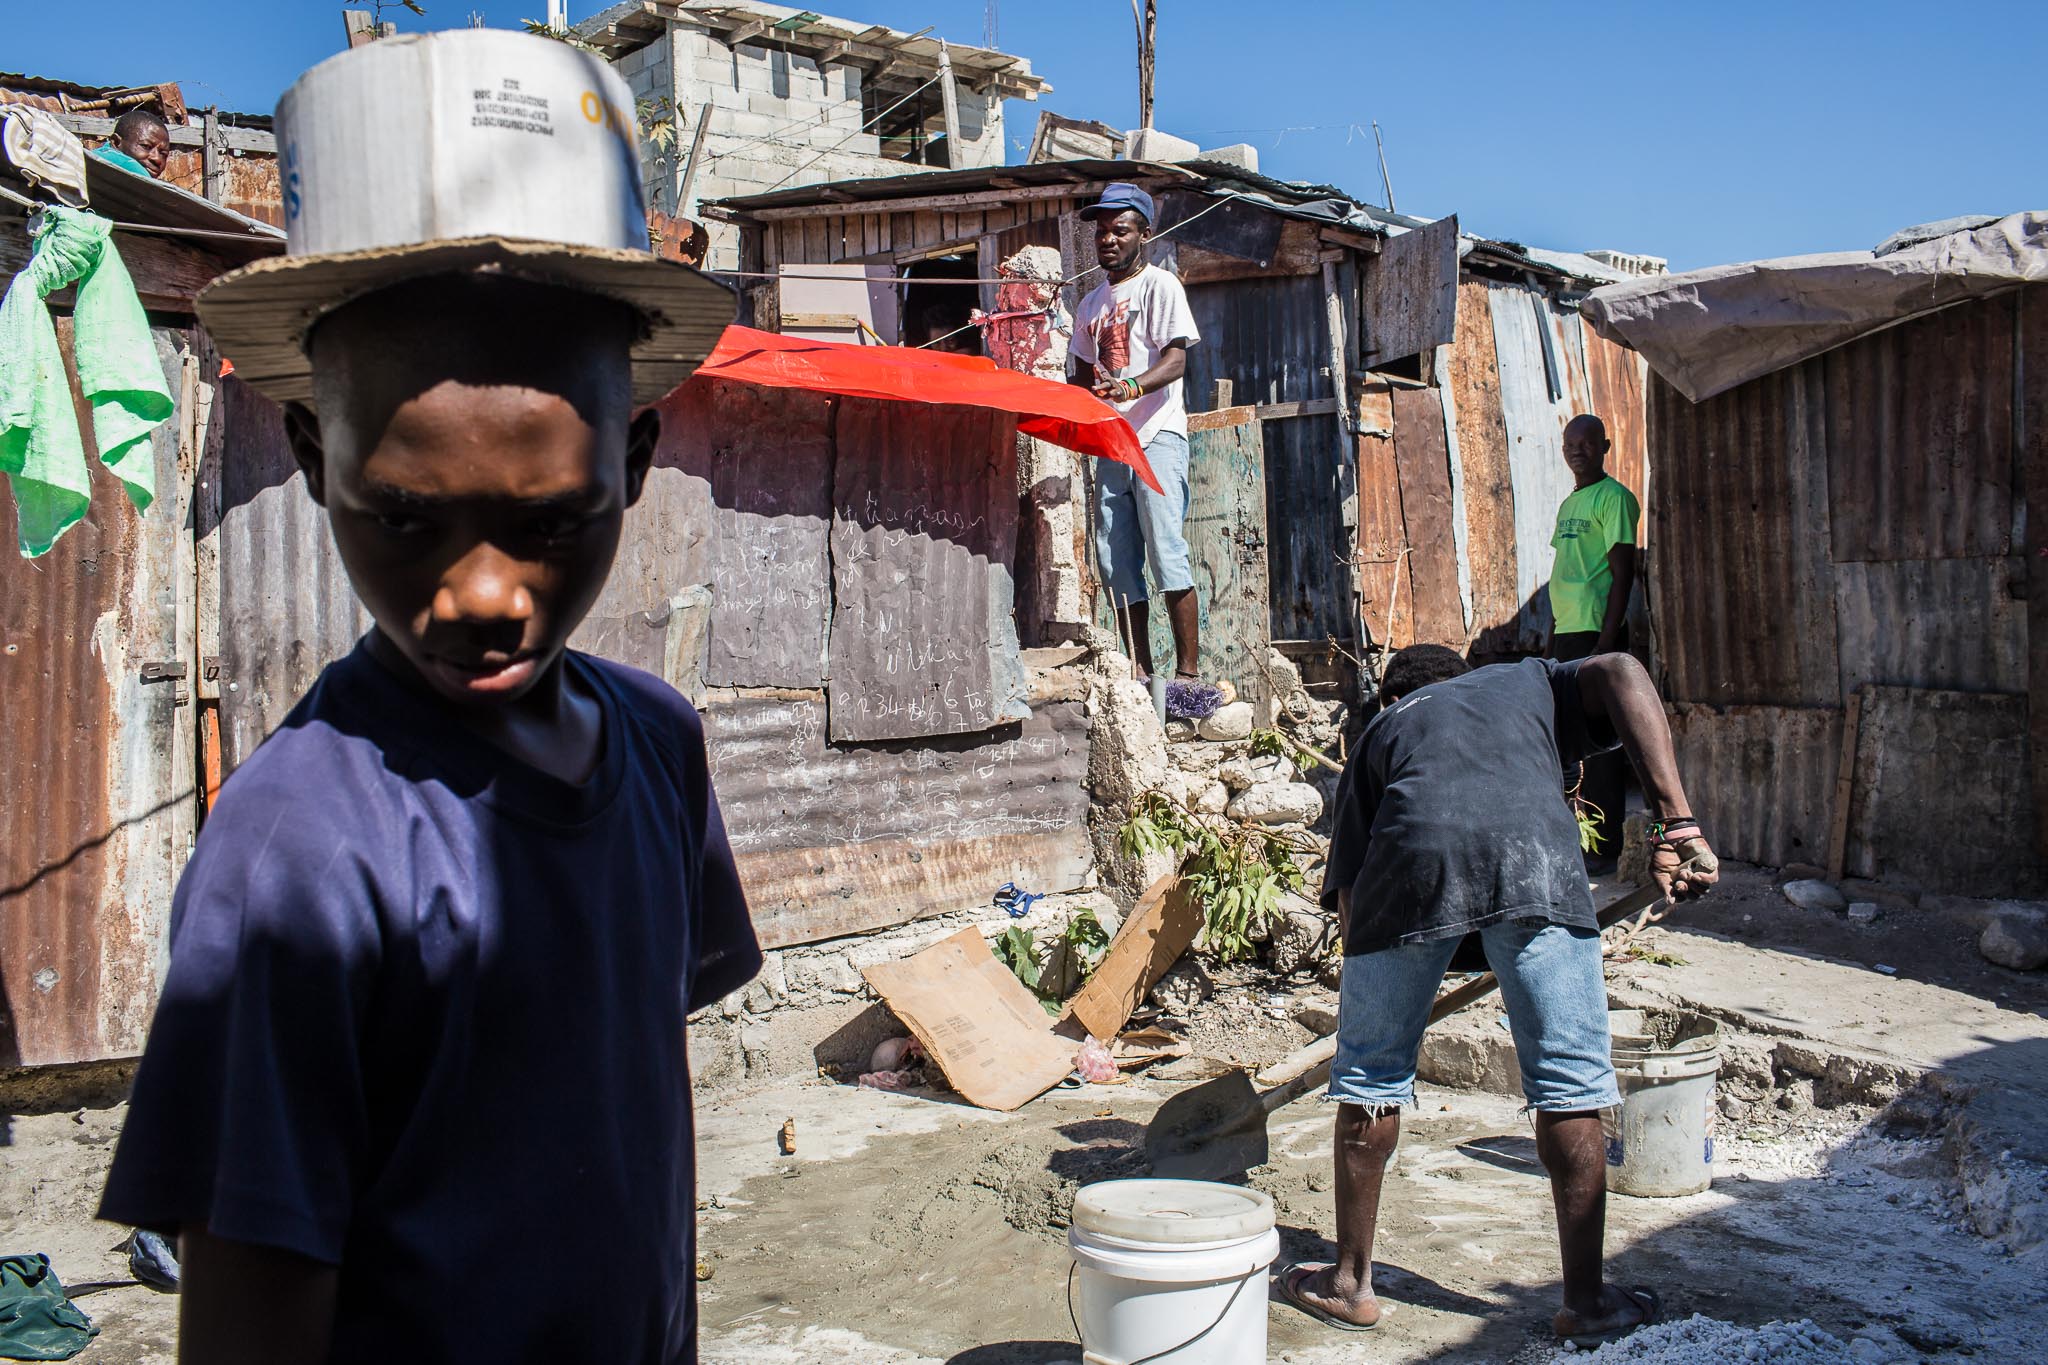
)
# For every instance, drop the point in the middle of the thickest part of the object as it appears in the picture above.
(1417, 667)
(143, 134)
(1585, 449)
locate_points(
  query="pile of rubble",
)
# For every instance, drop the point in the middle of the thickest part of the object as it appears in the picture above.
(2010, 933)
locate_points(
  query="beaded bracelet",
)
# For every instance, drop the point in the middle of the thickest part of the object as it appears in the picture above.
(1660, 831)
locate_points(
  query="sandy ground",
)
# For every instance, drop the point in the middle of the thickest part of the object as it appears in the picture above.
(912, 1229)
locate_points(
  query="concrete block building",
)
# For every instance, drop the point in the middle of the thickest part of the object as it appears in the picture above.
(788, 97)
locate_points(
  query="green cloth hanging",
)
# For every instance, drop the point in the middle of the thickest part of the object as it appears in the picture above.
(41, 450)
(38, 1321)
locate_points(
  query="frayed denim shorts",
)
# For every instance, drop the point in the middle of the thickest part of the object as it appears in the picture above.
(1551, 981)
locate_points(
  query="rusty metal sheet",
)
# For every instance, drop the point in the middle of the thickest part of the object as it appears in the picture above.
(1761, 778)
(2031, 412)
(286, 607)
(1472, 403)
(924, 531)
(1944, 792)
(1920, 430)
(1268, 336)
(1743, 589)
(96, 762)
(1526, 351)
(1226, 530)
(752, 521)
(1386, 587)
(1952, 623)
(1614, 381)
(836, 840)
(1408, 293)
(1423, 463)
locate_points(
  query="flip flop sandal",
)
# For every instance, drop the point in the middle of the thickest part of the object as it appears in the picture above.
(1646, 1302)
(1290, 1290)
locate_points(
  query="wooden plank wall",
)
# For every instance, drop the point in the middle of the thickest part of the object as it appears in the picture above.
(907, 236)
(1474, 399)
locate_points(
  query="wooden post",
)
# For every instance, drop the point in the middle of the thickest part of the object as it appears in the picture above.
(213, 159)
(949, 98)
(1845, 786)
(359, 26)
(1225, 390)
(696, 159)
(1145, 65)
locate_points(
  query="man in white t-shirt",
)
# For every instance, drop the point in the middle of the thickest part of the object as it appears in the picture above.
(1131, 342)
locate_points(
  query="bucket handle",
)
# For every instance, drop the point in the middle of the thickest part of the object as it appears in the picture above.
(1086, 1355)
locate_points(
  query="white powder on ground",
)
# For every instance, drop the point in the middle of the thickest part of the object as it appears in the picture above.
(1700, 1339)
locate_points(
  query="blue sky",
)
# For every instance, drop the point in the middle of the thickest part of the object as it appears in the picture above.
(1698, 132)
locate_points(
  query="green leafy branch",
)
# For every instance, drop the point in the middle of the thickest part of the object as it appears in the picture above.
(1237, 873)
(1067, 962)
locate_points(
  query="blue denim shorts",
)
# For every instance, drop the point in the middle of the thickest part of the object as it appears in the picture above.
(1132, 523)
(1551, 981)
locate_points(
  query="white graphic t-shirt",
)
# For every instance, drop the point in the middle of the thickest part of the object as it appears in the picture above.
(1123, 328)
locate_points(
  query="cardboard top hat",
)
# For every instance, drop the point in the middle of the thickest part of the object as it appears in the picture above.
(469, 151)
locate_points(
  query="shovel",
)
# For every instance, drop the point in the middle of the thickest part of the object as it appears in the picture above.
(1218, 1129)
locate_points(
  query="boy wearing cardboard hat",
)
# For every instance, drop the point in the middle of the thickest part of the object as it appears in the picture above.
(417, 1086)
(1131, 339)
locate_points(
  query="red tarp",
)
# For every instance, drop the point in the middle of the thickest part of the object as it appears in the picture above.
(1063, 414)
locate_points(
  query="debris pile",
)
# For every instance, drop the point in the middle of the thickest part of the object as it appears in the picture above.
(1701, 1338)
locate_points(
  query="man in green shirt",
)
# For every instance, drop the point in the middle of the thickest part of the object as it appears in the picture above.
(1590, 583)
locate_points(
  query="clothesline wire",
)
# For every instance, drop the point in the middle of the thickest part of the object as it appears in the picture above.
(1080, 275)
(851, 136)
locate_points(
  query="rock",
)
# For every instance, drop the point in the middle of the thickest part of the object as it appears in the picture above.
(1212, 799)
(1801, 872)
(1974, 914)
(1186, 984)
(1285, 679)
(1321, 1020)
(1179, 731)
(1864, 912)
(1295, 936)
(1811, 893)
(1230, 722)
(1198, 758)
(1895, 899)
(1236, 774)
(1277, 803)
(1127, 745)
(2016, 937)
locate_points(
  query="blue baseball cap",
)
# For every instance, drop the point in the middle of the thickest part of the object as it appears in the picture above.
(1118, 197)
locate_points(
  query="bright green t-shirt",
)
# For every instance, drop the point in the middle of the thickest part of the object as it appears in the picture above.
(1591, 522)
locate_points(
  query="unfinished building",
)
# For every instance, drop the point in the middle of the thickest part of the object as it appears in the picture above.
(762, 97)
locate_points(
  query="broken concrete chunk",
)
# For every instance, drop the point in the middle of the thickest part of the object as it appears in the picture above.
(1212, 799)
(1295, 936)
(1811, 893)
(2016, 937)
(1236, 774)
(1230, 722)
(1127, 745)
(1277, 803)
(1863, 912)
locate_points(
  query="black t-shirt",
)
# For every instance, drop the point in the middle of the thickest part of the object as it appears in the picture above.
(1451, 815)
(424, 1021)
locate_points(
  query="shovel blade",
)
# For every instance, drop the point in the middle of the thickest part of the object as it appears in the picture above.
(1212, 1131)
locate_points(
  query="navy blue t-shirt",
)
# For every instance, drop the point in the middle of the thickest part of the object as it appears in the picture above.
(424, 1020)
(1451, 814)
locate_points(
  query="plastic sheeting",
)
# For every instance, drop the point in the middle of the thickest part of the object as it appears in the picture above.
(1707, 331)
(1063, 414)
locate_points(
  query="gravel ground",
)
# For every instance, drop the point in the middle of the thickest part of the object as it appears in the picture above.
(1700, 1339)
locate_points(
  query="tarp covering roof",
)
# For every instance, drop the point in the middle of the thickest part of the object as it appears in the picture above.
(1706, 331)
(1063, 414)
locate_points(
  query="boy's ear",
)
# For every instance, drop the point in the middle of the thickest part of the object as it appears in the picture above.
(302, 432)
(641, 439)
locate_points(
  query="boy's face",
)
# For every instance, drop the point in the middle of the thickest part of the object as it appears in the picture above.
(475, 456)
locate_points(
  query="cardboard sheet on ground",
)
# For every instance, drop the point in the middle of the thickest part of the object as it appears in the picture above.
(976, 1020)
(1160, 927)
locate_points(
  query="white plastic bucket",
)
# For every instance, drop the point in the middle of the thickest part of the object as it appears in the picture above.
(1171, 1271)
(1660, 1140)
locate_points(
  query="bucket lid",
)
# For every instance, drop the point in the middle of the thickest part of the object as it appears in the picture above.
(1172, 1211)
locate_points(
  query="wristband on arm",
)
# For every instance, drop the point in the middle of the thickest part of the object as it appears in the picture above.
(1671, 833)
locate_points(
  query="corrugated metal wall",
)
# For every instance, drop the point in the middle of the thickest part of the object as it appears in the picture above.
(1520, 368)
(1848, 525)
(1269, 337)
(96, 772)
